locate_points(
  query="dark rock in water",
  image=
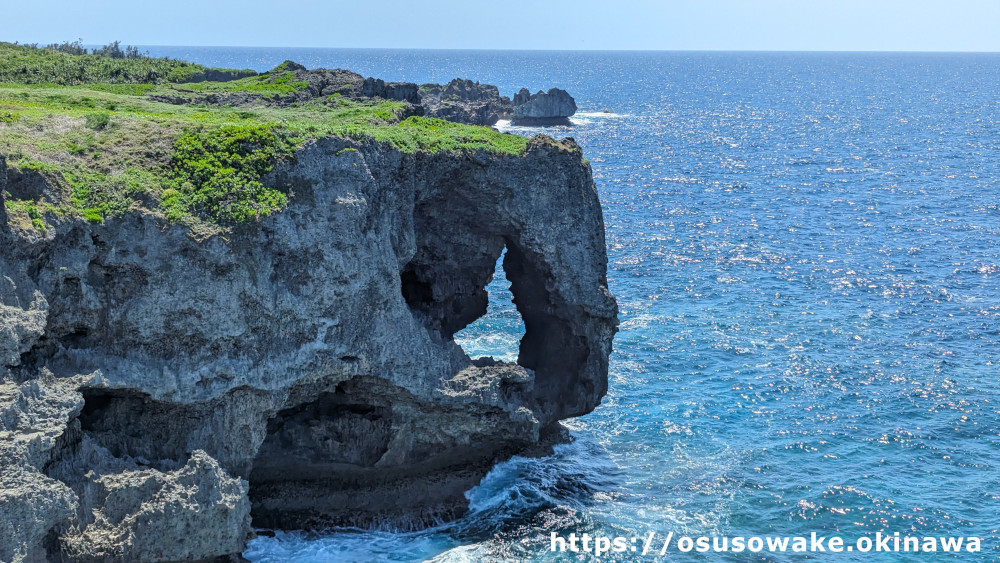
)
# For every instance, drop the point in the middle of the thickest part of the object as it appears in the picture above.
(543, 108)
(162, 393)
(465, 101)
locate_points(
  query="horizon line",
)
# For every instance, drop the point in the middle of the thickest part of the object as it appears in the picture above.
(826, 51)
(538, 50)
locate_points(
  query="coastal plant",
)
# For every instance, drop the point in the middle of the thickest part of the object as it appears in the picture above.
(68, 64)
(114, 50)
(93, 215)
(98, 121)
(98, 194)
(71, 48)
(216, 174)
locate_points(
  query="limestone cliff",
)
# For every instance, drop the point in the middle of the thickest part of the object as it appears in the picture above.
(161, 394)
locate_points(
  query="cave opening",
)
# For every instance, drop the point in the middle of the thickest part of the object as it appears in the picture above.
(498, 333)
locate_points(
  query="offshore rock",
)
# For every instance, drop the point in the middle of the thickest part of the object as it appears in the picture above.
(543, 108)
(159, 390)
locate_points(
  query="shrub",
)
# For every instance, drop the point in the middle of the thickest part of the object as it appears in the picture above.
(93, 215)
(74, 48)
(98, 121)
(217, 174)
(66, 65)
(35, 216)
(114, 50)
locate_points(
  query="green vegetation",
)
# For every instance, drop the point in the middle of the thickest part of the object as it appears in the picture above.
(434, 135)
(277, 81)
(67, 64)
(110, 147)
(98, 121)
(217, 174)
(28, 214)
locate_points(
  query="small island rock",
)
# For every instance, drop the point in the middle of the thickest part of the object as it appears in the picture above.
(544, 108)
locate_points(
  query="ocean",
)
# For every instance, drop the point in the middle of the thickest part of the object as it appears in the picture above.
(806, 251)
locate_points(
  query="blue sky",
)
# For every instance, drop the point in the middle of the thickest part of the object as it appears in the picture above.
(822, 25)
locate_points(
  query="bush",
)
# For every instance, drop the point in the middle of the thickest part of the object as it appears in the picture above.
(217, 174)
(66, 65)
(93, 215)
(98, 121)
(114, 50)
(35, 216)
(74, 48)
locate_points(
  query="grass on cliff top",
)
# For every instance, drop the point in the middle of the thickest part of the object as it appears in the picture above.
(279, 80)
(28, 64)
(109, 149)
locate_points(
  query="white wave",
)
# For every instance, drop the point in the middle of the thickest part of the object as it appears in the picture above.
(347, 546)
(500, 345)
(462, 554)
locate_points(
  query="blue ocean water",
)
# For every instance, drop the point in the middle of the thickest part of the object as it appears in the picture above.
(806, 250)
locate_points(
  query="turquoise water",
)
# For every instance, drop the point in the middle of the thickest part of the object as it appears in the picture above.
(805, 250)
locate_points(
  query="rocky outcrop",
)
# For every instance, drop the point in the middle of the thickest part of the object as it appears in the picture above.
(322, 82)
(543, 108)
(159, 390)
(461, 100)
(465, 101)
(317, 84)
(219, 75)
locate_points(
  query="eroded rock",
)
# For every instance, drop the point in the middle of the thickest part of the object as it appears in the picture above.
(543, 108)
(33, 417)
(465, 101)
(192, 513)
(302, 369)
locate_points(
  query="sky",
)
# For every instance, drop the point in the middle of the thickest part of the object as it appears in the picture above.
(754, 25)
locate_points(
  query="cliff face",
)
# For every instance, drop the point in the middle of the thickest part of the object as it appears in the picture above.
(159, 391)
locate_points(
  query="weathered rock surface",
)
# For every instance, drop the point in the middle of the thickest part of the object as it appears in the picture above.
(543, 108)
(300, 371)
(33, 416)
(465, 101)
(3, 184)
